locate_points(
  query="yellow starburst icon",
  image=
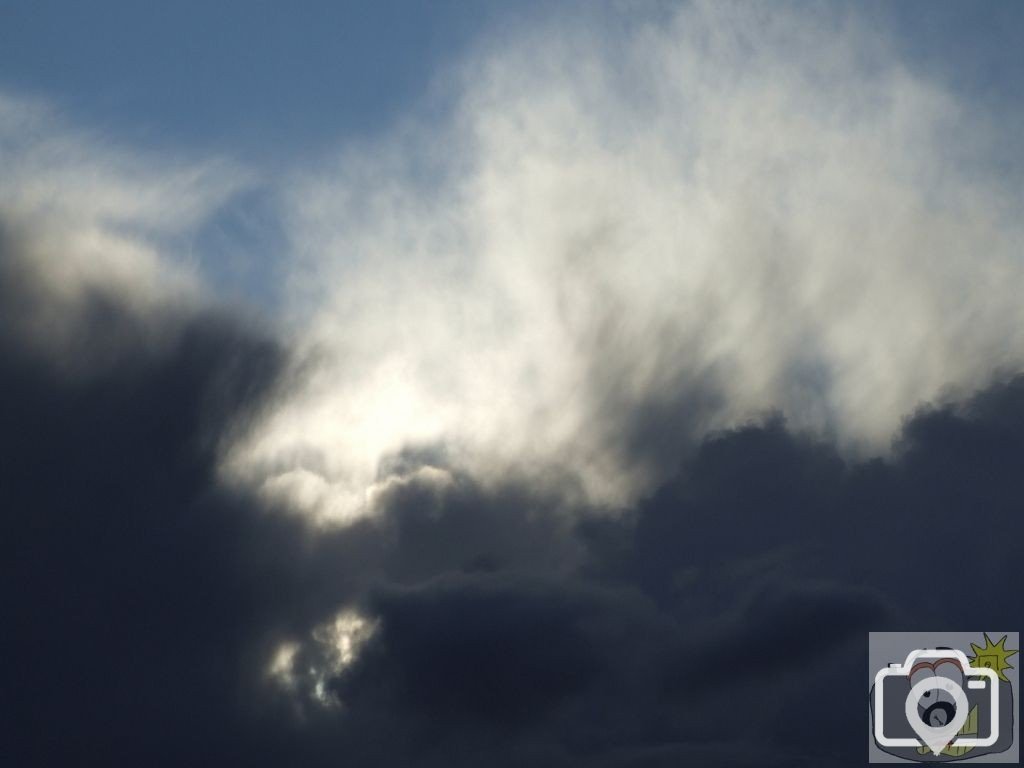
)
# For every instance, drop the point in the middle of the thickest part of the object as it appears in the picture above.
(992, 656)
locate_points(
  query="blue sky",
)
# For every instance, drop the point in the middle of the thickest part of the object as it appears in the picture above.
(260, 79)
(268, 78)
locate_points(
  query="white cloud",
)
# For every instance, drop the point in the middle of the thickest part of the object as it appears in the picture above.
(619, 239)
(744, 201)
(304, 669)
(82, 216)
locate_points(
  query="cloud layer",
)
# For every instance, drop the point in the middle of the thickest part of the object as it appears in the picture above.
(154, 614)
(672, 363)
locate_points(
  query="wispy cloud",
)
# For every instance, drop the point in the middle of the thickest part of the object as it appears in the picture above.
(90, 217)
(620, 241)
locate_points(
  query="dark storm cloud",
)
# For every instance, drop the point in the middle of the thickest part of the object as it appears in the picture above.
(720, 622)
(130, 584)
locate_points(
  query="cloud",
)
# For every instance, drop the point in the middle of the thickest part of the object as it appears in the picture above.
(88, 218)
(676, 626)
(609, 380)
(126, 580)
(628, 235)
(154, 611)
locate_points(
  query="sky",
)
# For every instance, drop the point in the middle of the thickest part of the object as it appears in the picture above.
(484, 383)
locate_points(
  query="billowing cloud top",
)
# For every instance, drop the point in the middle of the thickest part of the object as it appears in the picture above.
(664, 341)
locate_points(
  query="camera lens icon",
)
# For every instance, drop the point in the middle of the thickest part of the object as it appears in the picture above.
(937, 702)
(936, 723)
(936, 707)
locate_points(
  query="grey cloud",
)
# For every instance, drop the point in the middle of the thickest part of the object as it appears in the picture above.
(146, 599)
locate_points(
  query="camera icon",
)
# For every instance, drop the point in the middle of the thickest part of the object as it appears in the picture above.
(926, 693)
